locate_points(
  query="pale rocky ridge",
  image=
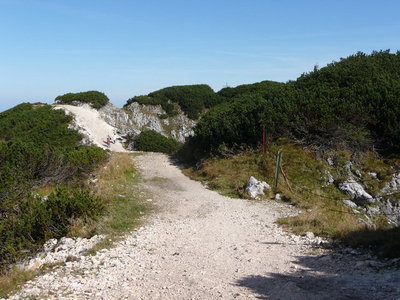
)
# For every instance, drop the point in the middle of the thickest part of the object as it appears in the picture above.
(135, 118)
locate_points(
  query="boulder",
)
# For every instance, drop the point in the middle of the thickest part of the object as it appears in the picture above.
(329, 178)
(357, 193)
(391, 208)
(254, 188)
(350, 203)
(373, 210)
(393, 185)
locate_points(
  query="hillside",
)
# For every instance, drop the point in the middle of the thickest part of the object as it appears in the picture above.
(338, 128)
(39, 152)
(335, 190)
(351, 105)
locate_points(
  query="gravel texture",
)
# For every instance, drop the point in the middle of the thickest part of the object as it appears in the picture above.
(201, 245)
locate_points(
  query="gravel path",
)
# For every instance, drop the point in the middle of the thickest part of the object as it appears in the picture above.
(201, 245)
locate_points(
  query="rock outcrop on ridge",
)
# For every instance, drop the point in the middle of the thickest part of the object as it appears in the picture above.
(136, 117)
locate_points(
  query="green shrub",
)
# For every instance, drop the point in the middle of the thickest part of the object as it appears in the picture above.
(36, 149)
(39, 124)
(192, 99)
(150, 140)
(147, 100)
(260, 88)
(237, 122)
(33, 220)
(94, 98)
(352, 104)
(85, 159)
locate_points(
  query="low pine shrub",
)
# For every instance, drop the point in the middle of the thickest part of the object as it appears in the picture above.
(37, 149)
(31, 221)
(192, 99)
(94, 98)
(152, 141)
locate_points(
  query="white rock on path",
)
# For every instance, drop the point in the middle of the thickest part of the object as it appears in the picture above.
(255, 188)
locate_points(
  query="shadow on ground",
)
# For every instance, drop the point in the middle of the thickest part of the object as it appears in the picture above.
(321, 277)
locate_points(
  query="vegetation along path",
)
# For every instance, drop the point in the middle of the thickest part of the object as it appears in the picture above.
(201, 245)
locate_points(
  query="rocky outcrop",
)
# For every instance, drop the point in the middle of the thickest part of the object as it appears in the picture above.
(383, 203)
(255, 188)
(357, 193)
(136, 117)
(59, 251)
(393, 185)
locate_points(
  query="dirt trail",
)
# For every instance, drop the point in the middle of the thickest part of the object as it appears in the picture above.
(201, 245)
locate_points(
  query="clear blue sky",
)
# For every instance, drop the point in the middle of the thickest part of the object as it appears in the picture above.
(126, 48)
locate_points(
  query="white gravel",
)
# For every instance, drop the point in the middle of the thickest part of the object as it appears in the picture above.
(201, 245)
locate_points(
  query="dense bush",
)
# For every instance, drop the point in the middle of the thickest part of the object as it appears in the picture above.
(233, 123)
(33, 220)
(39, 124)
(361, 91)
(150, 140)
(94, 98)
(351, 104)
(192, 99)
(260, 88)
(36, 149)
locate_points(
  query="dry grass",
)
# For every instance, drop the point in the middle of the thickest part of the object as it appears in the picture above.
(118, 186)
(13, 279)
(324, 213)
(306, 187)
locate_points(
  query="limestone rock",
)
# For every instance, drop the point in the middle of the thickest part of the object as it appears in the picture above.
(350, 203)
(356, 192)
(135, 118)
(60, 251)
(393, 185)
(391, 208)
(254, 188)
(373, 210)
(329, 178)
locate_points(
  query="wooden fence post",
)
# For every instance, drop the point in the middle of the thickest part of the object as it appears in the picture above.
(264, 140)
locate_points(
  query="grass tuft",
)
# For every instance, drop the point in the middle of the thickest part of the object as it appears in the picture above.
(11, 280)
(118, 186)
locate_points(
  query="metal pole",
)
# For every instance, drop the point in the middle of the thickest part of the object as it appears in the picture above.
(278, 167)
